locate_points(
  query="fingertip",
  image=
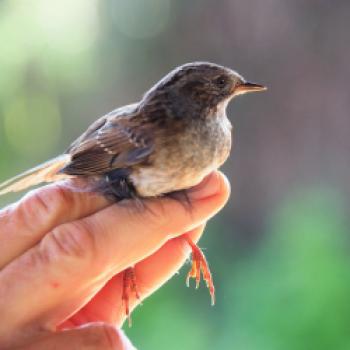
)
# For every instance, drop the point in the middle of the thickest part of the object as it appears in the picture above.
(206, 199)
(215, 184)
(219, 187)
(224, 191)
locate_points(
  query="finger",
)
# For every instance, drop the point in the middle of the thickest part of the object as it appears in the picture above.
(122, 234)
(157, 269)
(98, 336)
(24, 223)
(150, 273)
(75, 260)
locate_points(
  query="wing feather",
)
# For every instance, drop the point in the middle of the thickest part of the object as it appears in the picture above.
(118, 141)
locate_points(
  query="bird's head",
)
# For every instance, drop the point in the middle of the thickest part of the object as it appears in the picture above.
(203, 85)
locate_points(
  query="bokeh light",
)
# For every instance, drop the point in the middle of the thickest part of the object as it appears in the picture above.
(68, 26)
(141, 19)
(32, 125)
(279, 250)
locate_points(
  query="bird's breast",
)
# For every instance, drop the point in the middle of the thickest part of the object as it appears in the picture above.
(183, 159)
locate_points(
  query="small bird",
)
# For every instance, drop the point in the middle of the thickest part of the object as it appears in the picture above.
(167, 142)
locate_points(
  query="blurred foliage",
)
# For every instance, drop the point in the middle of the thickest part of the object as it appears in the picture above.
(280, 249)
(291, 292)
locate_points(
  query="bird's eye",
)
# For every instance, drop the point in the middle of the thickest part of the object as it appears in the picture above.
(221, 82)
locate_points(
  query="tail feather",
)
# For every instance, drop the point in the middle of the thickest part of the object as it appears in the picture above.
(46, 172)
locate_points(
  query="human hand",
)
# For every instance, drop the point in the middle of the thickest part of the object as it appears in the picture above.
(62, 254)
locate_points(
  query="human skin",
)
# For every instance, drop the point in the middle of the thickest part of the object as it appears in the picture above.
(62, 254)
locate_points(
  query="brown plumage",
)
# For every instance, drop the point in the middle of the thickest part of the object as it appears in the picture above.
(168, 141)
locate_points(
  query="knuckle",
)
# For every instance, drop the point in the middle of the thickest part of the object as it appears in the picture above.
(57, 198)
(34, 209)
(74, 240)
(47, 203)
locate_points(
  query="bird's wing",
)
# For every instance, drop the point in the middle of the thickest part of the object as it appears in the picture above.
(114, 141)
(99, 123)
(93, 128)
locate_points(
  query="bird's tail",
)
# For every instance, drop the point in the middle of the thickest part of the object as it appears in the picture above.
(46, 172)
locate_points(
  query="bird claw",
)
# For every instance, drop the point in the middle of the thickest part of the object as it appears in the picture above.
(129, 286)
(200, 268)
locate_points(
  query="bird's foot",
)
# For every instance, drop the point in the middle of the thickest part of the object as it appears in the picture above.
(129, 287)
(200, 267)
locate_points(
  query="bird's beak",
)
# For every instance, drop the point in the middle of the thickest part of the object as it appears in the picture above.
(246, 87)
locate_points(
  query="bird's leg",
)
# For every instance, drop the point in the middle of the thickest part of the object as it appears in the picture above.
(200, 267)
(129, 286)
(118, 187)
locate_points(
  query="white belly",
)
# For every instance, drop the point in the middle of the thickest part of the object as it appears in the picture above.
(150, 182)
(193, 158)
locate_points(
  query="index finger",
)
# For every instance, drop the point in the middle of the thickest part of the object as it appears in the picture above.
(23, 224)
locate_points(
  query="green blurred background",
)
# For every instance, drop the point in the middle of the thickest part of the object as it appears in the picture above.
(280, 248)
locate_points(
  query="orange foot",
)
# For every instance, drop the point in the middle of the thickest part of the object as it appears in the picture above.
(200, 266)
(129, 286)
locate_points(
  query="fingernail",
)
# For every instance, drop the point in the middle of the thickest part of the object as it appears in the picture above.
(209, 186)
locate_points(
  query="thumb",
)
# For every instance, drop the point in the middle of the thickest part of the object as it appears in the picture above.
(93, 336)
